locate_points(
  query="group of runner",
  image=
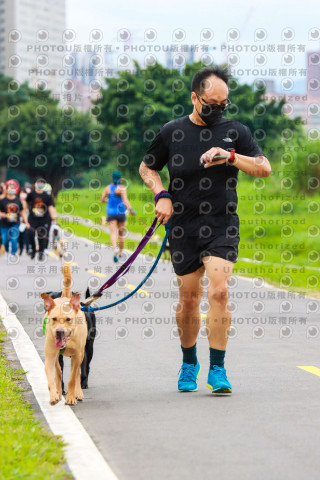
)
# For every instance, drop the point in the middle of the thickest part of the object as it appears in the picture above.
(26, 213)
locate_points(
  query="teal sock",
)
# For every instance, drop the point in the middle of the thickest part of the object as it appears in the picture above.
(217, 357)
(190, 354)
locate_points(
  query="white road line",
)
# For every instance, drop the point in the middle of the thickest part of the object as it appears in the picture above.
(83, 457)
(289, 265)
(272, 287)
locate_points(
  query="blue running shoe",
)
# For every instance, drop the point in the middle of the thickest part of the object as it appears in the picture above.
(115, 255)
(188, 378)
(217, 380)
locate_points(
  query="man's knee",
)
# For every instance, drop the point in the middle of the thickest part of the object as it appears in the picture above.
(219, 294)
(190, 300)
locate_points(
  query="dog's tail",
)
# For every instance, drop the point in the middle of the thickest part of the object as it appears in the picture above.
(67, 290)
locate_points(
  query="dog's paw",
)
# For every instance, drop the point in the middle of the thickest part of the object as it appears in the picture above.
(55, 398)
(80, 396)
(71, 400)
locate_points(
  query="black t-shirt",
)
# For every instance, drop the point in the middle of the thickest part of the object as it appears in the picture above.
(12, 208)
(202, 197)
(38, 204)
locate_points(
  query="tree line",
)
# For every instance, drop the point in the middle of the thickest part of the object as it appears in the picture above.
(39, 137)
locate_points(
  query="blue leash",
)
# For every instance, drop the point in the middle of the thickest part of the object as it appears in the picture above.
(87, 308)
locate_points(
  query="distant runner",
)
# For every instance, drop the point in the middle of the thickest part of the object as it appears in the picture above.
(115, 195)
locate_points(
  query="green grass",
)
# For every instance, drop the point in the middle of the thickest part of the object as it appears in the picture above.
(287, 249)
(279, 245)
(28, 451)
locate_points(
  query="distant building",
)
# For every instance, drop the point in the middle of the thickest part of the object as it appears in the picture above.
(270, 85)
(313, 73)
(30, 32)
(307, 105)
(80, 95)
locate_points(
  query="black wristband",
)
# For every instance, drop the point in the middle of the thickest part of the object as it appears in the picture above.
(164, 195)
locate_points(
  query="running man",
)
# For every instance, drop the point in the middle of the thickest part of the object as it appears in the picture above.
(204, 230)
(115, 195)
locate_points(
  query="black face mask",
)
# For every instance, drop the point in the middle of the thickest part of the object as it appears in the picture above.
(209, 115)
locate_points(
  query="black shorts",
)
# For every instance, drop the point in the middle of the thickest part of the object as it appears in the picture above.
(187, 252)
(120, 218)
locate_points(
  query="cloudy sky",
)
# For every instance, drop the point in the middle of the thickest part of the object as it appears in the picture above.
(243, 28)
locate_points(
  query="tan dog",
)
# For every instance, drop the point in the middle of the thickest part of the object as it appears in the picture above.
(66, 328)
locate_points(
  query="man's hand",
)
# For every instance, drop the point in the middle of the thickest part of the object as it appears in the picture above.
(207, 158)
(163, 210)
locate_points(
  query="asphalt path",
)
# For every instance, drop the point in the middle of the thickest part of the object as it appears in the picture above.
(269, 428)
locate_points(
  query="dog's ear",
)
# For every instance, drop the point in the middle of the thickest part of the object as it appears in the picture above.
(48, 301)
(88, 293)
(75, 301)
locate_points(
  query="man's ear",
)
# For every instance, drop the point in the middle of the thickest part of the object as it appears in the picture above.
(48, 301)
(193, 98)
(75, 302)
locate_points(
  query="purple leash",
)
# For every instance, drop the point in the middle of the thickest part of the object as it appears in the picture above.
(127, 264)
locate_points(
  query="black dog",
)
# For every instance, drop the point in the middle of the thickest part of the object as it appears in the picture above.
(166, 251)
(88, 353)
